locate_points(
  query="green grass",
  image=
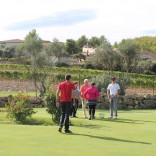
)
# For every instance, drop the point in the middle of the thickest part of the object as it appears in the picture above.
(133, 134)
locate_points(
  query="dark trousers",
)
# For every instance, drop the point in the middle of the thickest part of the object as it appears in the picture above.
(74, 108)
(92, 110)
(65, 111)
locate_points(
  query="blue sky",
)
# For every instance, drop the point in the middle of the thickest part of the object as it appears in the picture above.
(64, 19)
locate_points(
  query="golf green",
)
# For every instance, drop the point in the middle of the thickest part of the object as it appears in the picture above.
(132, 134)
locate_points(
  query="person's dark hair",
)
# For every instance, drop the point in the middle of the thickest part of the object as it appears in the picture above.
(67, 77)
(113, 78)
(93, 84)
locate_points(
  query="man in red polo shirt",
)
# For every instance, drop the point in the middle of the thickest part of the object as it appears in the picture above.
(65, 91)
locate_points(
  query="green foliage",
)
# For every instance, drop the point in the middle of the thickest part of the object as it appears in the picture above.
(144, 64)
(33, 43)
(71, 46)
(34, 53)
(81, 42)
(62, 64)
(79, 56)
(153, 67)
(103, 80)
(94, 42)
(130, 54)
(56, 49)
(141, 80)
(15, 75)
(18, 72)
(146, 43)
(149, 72)
(50, 99)
(8, 52)
(89, 66)
(104, 56)
(18, 107)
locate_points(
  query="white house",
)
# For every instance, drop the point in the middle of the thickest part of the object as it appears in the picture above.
(88, 51)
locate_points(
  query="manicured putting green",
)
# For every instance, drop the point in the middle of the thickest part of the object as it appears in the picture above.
(133, 134)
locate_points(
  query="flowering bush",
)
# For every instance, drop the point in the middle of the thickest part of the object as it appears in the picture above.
(18, 107)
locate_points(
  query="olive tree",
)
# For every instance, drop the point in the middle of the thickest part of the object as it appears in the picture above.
(130, 55)
(104, 56)
(108, 59)
(55, 51)
(31, 52)
(71, 46)
(81, 42)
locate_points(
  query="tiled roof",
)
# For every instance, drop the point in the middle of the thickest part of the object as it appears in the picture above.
(12, 41)
(19, 41)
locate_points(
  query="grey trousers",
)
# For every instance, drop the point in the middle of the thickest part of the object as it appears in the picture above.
(113, 106)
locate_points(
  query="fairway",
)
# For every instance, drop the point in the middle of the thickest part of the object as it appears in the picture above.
(133, 134)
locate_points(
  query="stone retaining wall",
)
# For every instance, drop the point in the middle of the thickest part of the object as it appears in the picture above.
(124, 102)
(131, 102)
(35, 102)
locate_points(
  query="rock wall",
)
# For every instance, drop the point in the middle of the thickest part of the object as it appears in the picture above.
(124, 102)
(35, 102)
(130, 102)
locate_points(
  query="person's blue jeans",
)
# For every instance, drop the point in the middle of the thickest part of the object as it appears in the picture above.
(65, 112)
(113, 106)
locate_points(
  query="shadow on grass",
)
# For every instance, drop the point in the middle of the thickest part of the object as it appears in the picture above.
(36, 122)
(91, 126)
(110, 138)
(130, 121)
(120, 121)
(135, 111)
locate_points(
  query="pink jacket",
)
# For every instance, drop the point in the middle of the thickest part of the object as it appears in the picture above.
(91, 93)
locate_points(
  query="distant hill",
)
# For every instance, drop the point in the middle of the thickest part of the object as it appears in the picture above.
(146, 43)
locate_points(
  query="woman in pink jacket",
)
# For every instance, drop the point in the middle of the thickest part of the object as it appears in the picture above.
(92, 94)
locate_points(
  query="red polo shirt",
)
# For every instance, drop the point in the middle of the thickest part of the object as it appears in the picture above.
(83, 88)
(66, 88)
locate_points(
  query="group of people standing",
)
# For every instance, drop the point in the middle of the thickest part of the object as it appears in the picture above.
(68, 96)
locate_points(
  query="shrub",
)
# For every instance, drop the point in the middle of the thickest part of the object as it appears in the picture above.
(148, 72)
(62, 64)
(153, 67)
(103, 80)
(18, 107)
(50, 99)
(89, 66)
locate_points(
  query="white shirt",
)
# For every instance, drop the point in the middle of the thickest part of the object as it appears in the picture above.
(113, 88)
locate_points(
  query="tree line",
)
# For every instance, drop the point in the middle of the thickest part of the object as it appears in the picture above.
(124, 56)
